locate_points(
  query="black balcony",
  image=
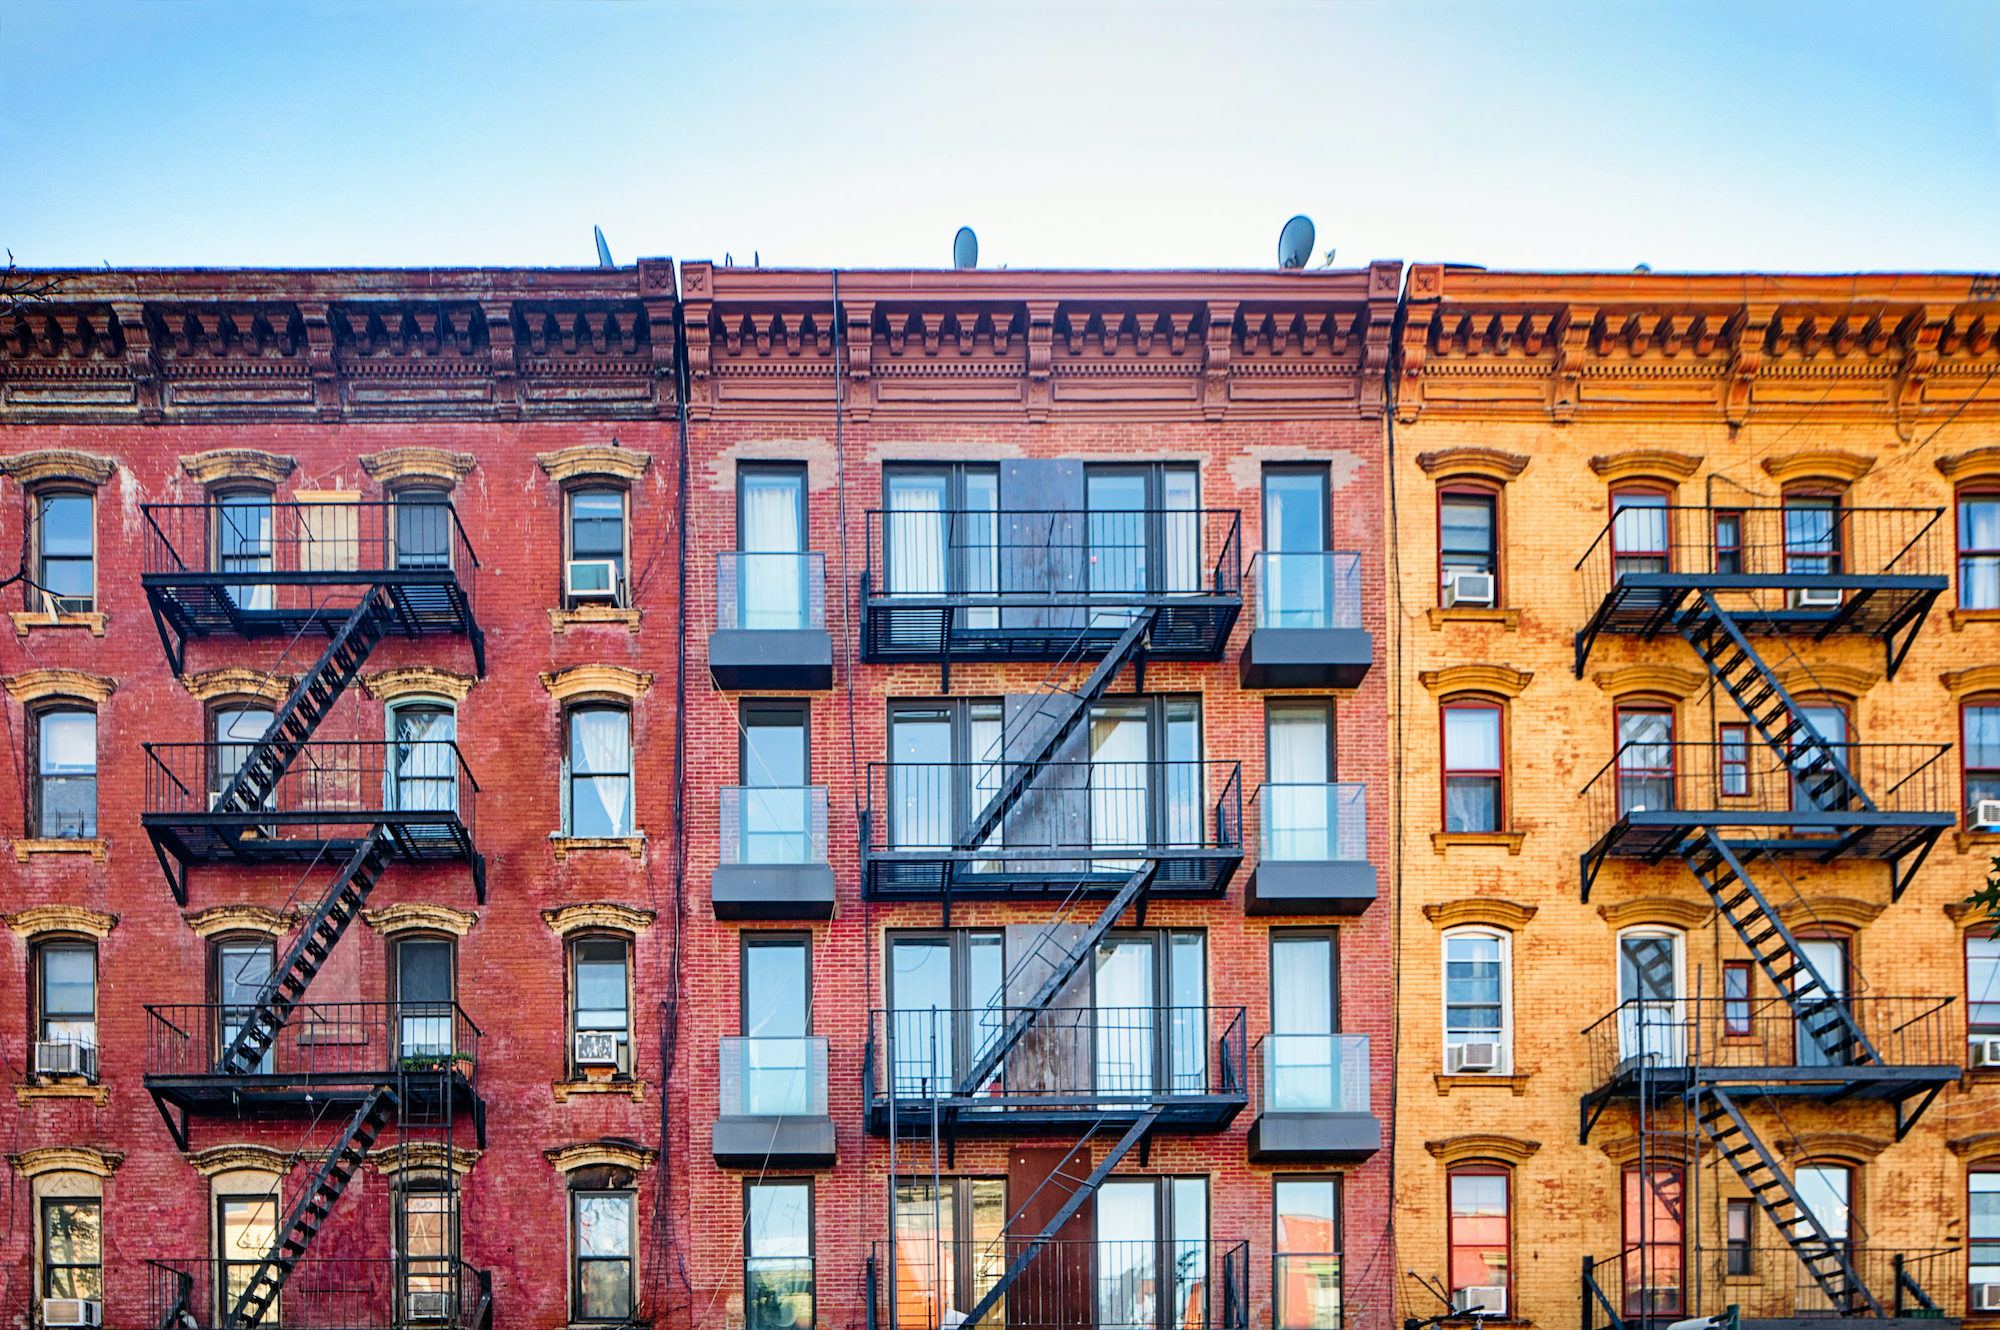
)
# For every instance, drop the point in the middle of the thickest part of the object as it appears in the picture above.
(1073, 1066)
(1312, 850)
(331, 1293)
(271, 569)
(1919, 1288)
(926, 1283)
(1048, 584)
(772, 854)
(1802, 568)
(1647, 800)
(770, 622)
(1080, 825)
(1308, 631)
(334, 793)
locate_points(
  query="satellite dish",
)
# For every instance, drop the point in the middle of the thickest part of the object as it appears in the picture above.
(965, 249)
(603, 250)
(1295, 242)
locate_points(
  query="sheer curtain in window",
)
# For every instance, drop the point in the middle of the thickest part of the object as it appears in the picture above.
(1300, 802)
(602, 790)
(772, 572)
(916, 537)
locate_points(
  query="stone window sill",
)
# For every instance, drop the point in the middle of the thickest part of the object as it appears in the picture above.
(28, 848)
(635, 1090)
(564, 846)
(26, 622)
(1509, 620)
(65, 1087)
(1960, 618)
(591, 616)
(1445, 840)
(1517, 1083)
(1965, 840)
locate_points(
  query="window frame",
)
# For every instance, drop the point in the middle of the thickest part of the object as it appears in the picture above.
(393, 774)
(1505, 1034)
(49, 1267)
(393, 985)
(1279, 1252)
(1972, 1243)
(1732, 774)
(425, 1183)
(1975, 1029)
(1632, 490)
(1985, 492)
(1484, 1169)
(1463, 490)
(570, 776)
(38, 555)
(1645, 704)
(1966, 771)
(1628, 1245)
(1835, 499)
(1732, 550)
(416, 494)
(39, 1017)
(1738, 1254)
(750, 1187)
(596, 484)
(577, 1259)
(1446, 773)
(274, 1198)
(750, 939)
(1733, 1026)
(38, 807)
(628, 1033)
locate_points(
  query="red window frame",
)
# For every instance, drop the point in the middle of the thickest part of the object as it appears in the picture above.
(1447, 771)
(1644, 707)
(1966, 771)
(1664, 553)
(1732, 774)
(1976, 495)
(1737, 1251)
(1732, 550)
(1490, 496)
(1736, 1018)
(1634, 1190)
(1451, 1222)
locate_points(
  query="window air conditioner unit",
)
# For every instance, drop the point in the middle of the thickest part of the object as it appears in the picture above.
(1817, 598)
(591, 579)
(60, 1057)
(1986, 815)
(1486, 1299)
(1465, 587)
(430, 1304)
(1986, 1053)
(1474, 1055)
(596, 1048)
(52, 604)
(72, 1311)
(1986, 1297)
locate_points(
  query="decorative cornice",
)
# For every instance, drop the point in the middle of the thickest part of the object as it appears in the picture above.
(237, 681)
(1818, 464)
(1977, 679)
(1966, 914)
(423, 1157)
(1644, 464)
(588, 680)
(34, 685)
(1482, 1145)
(630, 1088)
(225, 464)
(1664, 680)
(41, 920)
(417, 680)
(1827, 676)
(1840, 911)
(562, 847)
(418, 462)
(1489, 910)
(1832, 1145)
(595, 915)
(1502, 679)
(407, 916)
(216, 920)
(595, 459)
(63, 1088)
(1655, 1147)
(607, 1151)
(219, 1159)
(1672, 911)
(1486, 463)
(67, 1159)
(45, 464)
(1974, 463)
(27, 621)
(1977, 1147)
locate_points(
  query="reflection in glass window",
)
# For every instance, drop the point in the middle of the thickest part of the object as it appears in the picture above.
(777, 1256)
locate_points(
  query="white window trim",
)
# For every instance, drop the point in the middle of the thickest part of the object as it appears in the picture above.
(1506, 941)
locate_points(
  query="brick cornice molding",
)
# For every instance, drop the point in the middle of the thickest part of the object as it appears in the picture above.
(40, 465)
(410, 916)
(418, 462)
(1828, 677)
(37, 921)
(220, 465)
(1974, 463)
(216, 920)
(1492, 911)
(238, 1158)
(1664, 680)
(1486, 463)
(237, 681)
(1450, 1150)
(590, 916)
(36, 685)
(1818, 464)
(393, 685)
(1850, 1145)
(423, 1157)
(1672, 911)
(1968, 915)
(1644, 464)
(1977, 679)
(607, 1151)
(1504, 680)
(595, 459)
(1977, 1147)
(67, 1159)
(596, 680)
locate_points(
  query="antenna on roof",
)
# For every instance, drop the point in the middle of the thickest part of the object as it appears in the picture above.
(1295, 242)
(965, 249)
(603, 250)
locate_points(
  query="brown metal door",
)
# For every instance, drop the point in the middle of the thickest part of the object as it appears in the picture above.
(1054, 1292)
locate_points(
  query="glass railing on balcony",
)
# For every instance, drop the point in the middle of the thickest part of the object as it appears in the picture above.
(1311, 822)
(1307, 589)
(773, 1076)
(930, 1281)
(768, 824)
(1765, 1035)
(770, 591)
(324, 1040)
(1314, 1073)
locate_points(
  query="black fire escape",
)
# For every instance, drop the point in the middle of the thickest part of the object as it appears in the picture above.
(337, 578)
(1771, 785)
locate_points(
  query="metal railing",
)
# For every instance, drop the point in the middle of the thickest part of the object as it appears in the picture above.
(1166, 1283)
(1313, 1073)
(773, 1076)
(1307, 589)
(773, 824)
(1300, 822)
(361, 779)
(1767, 1281)
(1764, 1034)
(331, 1293)
(1791, 540)
(1110, 1057)
(1748, 776)
(317, 1039)
(770, 591)
(297, 543)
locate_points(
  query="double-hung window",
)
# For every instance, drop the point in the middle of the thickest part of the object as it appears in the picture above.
(1645, 759)
(1479, 1235)
(599, 802)
(424, 758)
(1639, 537)
(601, 1243)
(1982, 986)
(65, 790)
(778, 1255)
(601, 974)
(1982, 1229)
(65, 551)
(1473, 768)
(1979, 551)
(1468, 534)
(1305, 1254)
(596, 545)
(73, 1247)
(1476, 994)
(1982, 758)
(423, 529)
(66, 998)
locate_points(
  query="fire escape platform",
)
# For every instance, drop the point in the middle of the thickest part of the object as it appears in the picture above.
(1867, 605)
(204, 604)
(1656, 834)
(1054, 1114)
(1032, 874)
(1037, 628)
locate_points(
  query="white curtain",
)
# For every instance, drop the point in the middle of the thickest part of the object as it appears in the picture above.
(1979, 573)
(426, 768)
(916, 540)
(605, 747)
(771, 574)
(1301, 1065)
(1299, 798)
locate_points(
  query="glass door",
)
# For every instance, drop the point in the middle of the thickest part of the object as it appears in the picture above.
(1128, 1256)
(424, 1003)
(777, 1020)
(921, 1014)
(243, 544)
(246, 1230)
(242, 972)
(1120, 781)
(920, 779)
(1303, 1066)
(1126, 1011)
(1298, 794)
(770, 543)
(1649, 988)
(1819, 1031)
(1297, 585)
(777, 827)
(913, 537)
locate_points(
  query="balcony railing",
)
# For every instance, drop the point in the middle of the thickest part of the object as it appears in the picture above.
(1307, 589)
(1766, 1281)
(304, 543)
(770, 591)
(768, 824)
(1189, 1061)
(1762, 1038)
(1757, 544)
(333, 1293)
(1313, 1073)
(1076, 819)
(1109, 1284)
(1299, 822)
(763, 1076)
(369, 1041)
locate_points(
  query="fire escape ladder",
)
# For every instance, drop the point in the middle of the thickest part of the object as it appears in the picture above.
(1821, 773)
(336, 910)
(1021, 772)
(1825, 1258)
(272, 755)
(1066, 1212)
(315, 1203)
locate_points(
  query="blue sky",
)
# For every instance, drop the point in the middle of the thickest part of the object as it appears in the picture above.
(1741, 134)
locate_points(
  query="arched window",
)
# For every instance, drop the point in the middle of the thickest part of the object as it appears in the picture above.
(1474, 764)
(1640, 539)
(1468, 544)
(1651, 987)
(423, 756)
(1813, 534)
(245, 543)
(65, 1007)
(1646, 754)
(1478, 1001)
(598, 793)
(1479, 1236)
(64, 802)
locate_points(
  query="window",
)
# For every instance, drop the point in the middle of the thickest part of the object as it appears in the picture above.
(1733, 760)
(1812, 534)
(1639, 539)
(246, 1228)
(1736, 997)
(1653, 1249)
(244, 545)
(423, 761)
(65, 550)
(1297, 583)
(1650, 1016)
(599, 802)
(1829, 722)
(774, 763)
(1151, 1250)
(1301, 814)
(426, 1237)
(778, 1256)
(600, 979)
(601, 1243)
(1473, 791)
(66, 996)
(1982, 985)
(771, 568)
(1979, 551)
(1476, 996)
(950, 1247)
(1828, 1192)
(1645, 759)
(1981, 756)
(1305, 1253)
(1144, 528)
(1982, 1229)
(945, 767)
(65, 802)
(424, 999)
(242, 967)
(1728, 542)
(1468, 535)
(1303, 1057)
(597, 536)
(1477, 1234)
(776, 1020)
(941, 534)
(424, 522)
(235, 729)
(945, 996)
(73, 1247)
(1737, 1220)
